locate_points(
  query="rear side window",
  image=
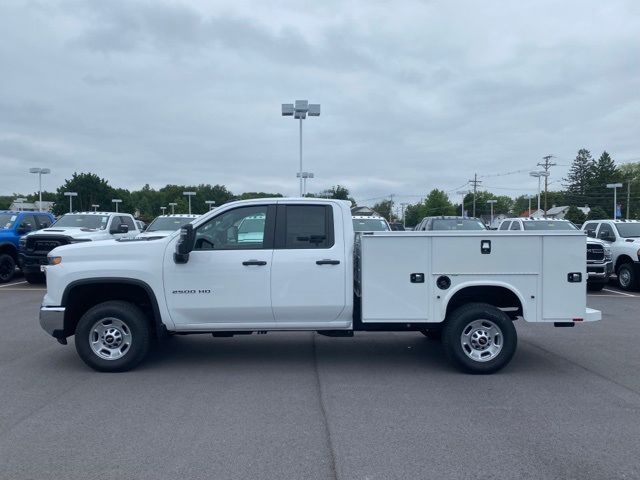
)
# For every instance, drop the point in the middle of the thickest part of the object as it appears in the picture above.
(308, 226)
(505, 225)
(515, 226)
(28, 222)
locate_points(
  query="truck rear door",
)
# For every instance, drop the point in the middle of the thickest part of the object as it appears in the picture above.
(309, 260)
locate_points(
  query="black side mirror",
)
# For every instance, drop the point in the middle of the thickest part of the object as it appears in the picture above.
(185, 244)
(591, 233)
(122, 228)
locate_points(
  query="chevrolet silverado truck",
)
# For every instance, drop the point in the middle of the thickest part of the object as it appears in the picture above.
(14, 226)
(623, 238)
(71, 228)
(303, 268)
(599, 262)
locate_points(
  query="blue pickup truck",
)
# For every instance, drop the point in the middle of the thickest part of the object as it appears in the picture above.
(14, 225)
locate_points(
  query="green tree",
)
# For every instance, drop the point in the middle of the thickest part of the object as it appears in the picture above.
(438, 203)
(385, 208)
(575, 215)
(630, 176)
(580, 177)
(91, 190)
(413, 214)
(504, 204)
(337, 192)
(597, 213)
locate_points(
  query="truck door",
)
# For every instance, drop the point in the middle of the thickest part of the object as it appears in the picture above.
(308, 272)
(227, 278)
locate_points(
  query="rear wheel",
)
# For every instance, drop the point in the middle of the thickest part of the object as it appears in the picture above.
(627, 278)
(7, 267)
(479, 338)
(35, 278)
(113, 336)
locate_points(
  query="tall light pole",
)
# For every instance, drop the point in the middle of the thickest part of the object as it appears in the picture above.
(304, 176)
(539, 174)
(464, 193)
(189, 194)
(299, 110)
(615, 187)
(211, 203)
(492, 203)
(529, 197)
(70, 195)
(95, 207)
(404, 206)
(116, 201)
(162, 209)
(173, 207)
(40, 172)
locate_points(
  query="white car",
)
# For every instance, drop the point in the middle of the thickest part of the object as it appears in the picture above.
(623, 238)
(306, 270)
(362, 223)
(164, 225)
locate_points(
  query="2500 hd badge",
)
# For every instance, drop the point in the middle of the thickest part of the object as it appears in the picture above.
(189, 292)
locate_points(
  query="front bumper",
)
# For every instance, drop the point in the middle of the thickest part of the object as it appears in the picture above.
(31, 263)
(599, 271)
(52, 321)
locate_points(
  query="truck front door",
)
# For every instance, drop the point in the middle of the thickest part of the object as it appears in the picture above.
(227, 278)
(308, 273)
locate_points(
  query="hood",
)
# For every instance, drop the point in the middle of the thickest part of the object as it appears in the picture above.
(155, 234)
(7, 232)
(596, 241)
(108, 250)
(72, 232)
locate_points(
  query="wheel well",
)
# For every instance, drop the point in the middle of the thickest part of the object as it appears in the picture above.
(622, 259)
(80, 298)
(9, 248)
(500, 297)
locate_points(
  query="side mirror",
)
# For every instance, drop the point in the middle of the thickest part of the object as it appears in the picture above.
(591, 233)
(185, 244)
(121, 229)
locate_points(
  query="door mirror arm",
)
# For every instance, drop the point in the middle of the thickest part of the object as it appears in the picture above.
(185, 244)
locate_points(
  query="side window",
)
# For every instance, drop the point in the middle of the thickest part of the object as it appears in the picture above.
(505, 225)
(128, 222)
(308, 226)
(515, 226)
(28, 223)
(43, 221)
(238, 229)
(591, 228)
(115, 223)
(606, 233)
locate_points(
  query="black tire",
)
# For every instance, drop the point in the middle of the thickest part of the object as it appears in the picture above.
(7, 267)
(434, 334)
(595, 287)
(36, 278)
(119, 313)
(461, 320)
(627, 278)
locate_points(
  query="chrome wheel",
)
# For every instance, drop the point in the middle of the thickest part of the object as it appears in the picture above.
(624, 277)
(481, 340)
(110, 338)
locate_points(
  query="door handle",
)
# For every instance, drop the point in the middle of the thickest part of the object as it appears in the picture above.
(259, 263)
(327, 262)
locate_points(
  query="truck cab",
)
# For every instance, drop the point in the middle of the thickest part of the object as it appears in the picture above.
(13, 226)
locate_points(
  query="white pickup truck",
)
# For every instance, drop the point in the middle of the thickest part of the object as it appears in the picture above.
(303, 268)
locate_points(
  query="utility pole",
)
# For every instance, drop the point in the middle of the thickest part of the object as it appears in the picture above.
(628, 196)
(403, 205)
(475, 182)
(546, 165)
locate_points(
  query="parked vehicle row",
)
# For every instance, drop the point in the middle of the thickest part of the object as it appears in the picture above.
(164, 225)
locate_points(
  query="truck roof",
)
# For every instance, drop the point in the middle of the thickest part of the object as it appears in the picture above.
(179, 215)
(97, 213)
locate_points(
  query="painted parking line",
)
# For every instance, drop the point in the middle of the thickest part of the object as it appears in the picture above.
(619, 293)
(12, 284)
(28, 290)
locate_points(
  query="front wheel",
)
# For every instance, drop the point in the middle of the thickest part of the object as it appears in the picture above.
(627, 277)
(7, 267)
(113, 336)
(479, 338)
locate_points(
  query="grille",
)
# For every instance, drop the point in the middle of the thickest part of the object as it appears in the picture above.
(44, 244)
(595, 252)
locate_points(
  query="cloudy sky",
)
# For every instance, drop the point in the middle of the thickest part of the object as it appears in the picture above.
(415, 95)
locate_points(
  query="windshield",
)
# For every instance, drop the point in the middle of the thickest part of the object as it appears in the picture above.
(168, 223)
(7, 220)
(83, 221)
(548, 225)
(457, 224)
(628, 230)
(370, 225)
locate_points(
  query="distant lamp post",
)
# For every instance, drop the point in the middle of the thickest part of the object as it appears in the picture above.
(539, 174)
(40, 172)
(299, 110)
(304, 176)
(116, 201)
(189, 195)
(464, 193)
(492, 203)
(163, 209)
(20, 203)
(173, 207)
(529, 197)
(211, 203)
(70, 195)
(615, 187)
(95, 207)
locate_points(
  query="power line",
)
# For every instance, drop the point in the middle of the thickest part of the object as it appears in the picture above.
(546, 165)
(475, 183)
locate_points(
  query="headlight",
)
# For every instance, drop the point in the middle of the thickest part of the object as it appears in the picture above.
(607, 253)
(22, 243)
(54, 260)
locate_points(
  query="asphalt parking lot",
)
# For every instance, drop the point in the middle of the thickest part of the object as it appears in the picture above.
(299, 405)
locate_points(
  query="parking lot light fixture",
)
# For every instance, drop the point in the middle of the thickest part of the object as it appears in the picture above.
(162, 209)
(211, 203)
(40, 172)
(464, 193)
(189, 195)
(615, 187)
(492, 203)
(70, 195)
(173, 207)
(539, 174)
(116, 201)
(95, 207)
(304, 176)
(299, 111)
